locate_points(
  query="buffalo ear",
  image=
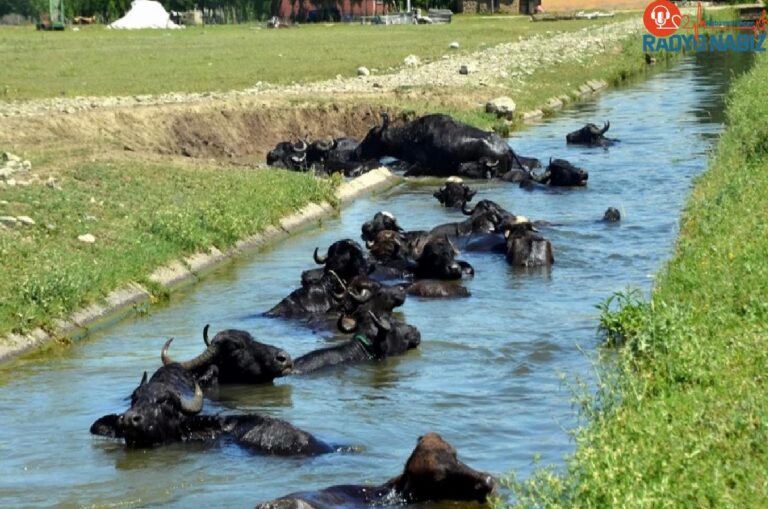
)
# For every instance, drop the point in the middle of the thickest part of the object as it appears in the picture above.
(106, 426)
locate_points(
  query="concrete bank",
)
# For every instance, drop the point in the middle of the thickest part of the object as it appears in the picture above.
(135, 298)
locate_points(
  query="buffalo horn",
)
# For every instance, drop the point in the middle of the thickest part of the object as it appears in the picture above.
(605, 127)
(193, 406)
(338, 295)
(465, 210)
(205, 334)
(380, 322)
(493, 164)
(361, 297)
(369, 244)
(143, 379)
(300, 147)
(319, 259)
(300, 158)
(201, 360)
(384, 119)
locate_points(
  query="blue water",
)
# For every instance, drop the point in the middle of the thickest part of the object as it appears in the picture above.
(487, 376)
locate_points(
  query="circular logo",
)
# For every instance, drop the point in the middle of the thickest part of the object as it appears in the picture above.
(662, 18)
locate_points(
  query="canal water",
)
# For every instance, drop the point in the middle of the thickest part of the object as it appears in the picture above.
(486, 377)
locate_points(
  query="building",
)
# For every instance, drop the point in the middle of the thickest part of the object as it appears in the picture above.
(529, 6)
(305, 10)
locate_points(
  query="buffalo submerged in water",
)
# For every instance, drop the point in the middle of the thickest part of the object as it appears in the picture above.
(433, 472)
(167, 408)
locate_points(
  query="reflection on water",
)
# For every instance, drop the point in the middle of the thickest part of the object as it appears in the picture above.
(486, 376)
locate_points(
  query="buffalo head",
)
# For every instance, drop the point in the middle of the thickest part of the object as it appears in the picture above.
(291, 156)
(612, 215)
(346, 258)
(240, 359)
(434, 472)
(374, 145)
(381, 221)
(159, 408)
(454, 193)
(438, 260)
(563, 174)
(525, 247)
(592, 135)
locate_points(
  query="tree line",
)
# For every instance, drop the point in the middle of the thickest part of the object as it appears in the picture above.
(226, 11)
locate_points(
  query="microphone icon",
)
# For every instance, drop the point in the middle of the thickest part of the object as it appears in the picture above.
(660, 16)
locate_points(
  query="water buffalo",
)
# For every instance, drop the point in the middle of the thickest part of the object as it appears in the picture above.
(438, 261)
(454, 193)
(346, 258)
(433, 472)
(288, 155)
(237, 357)
(439, 145)
(375, 339)
(612, 215)
(559, 173)
(317, 296)
(591, 135)
(382, 220)
(337, 155)
(166, 408)
(525, 247)
(437, 289)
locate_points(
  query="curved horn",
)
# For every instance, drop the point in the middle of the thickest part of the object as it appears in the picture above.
(465, 210)
(384, 119)
(339, 295)
(492, 165)
(143, 379)
(362, 297)
(299, 159)
(369, 244)
(201, 360)
(193, 406)
(205, 334)
(380, 322)
(320, 260)
(605, 127)
(301, 146)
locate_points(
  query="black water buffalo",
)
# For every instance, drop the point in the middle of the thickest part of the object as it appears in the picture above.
(346, 258)
(591, 135)
(166, 408)
(317, 296)
(437, 289)
(288, 155)
(375, 339)
(237, 358)
(525, 247)
(454, 193)
(337, 155)
(439, 145)
(559, 173)
(612, 215)
(382, 220)
(438, 261)
(433, 472)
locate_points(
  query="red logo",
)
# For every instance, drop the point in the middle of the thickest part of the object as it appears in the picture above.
(662, 18)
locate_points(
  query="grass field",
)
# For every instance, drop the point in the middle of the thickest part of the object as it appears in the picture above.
(681, 420)
(142, 215)
(101, 62)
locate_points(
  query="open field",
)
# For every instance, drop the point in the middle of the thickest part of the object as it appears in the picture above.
(132, 158)
(100, 62)
(683, 422)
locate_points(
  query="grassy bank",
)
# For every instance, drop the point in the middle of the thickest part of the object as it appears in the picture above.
(142, 216)
(681, 420)
(96, 61)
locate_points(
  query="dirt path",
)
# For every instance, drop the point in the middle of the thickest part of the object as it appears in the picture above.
(508, 64)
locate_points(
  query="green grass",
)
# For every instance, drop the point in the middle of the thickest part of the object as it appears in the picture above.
(681, 415)
(142, 215)
(96, 61)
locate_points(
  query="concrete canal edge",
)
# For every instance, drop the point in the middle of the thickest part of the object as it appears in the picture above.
(134, 298)
(587, 89)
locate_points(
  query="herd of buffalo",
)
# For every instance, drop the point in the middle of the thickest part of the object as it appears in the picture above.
(354, 288)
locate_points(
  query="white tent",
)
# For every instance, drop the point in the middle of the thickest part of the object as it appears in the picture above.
(145, 14)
